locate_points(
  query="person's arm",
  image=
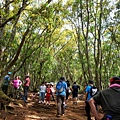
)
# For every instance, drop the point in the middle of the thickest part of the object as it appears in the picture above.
(93, 108)
(86, 94)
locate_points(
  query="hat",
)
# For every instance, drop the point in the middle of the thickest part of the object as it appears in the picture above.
(27, 75)
(115, 80)
(9, 73)
(51, 83)
(90, 82)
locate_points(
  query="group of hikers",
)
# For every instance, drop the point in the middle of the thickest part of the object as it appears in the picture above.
(108, 98)
(16, 83)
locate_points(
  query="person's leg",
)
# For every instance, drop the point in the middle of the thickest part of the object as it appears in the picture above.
(25, 91)
(42, 97)
(48, 100)
(63, 104)
(39, 97)
(73, 97)
(59, 102)
(76, 98)
(87, 109)
(5, 89)
(53, 96)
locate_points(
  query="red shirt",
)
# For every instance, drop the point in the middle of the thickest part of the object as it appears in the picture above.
(48, 92)
(27, 82)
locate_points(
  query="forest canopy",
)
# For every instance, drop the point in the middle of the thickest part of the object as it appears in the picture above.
(77, 39)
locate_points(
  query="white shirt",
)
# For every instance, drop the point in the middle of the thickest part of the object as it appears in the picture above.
(42, 88)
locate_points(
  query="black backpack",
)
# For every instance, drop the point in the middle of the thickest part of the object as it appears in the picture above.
(93, 91)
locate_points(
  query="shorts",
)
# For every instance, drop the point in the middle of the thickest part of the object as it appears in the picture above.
(75, 95)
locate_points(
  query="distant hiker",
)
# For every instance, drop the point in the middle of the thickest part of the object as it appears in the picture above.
(53, 90)
(68, 91)
(6, 83)
(16, 84)
(88, 96)
(75, 89)
(42, 91)
(61, 87)
(26, 86)
(48, 94)
(109, 99)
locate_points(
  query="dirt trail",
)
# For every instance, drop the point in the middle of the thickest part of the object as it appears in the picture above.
(35, 111)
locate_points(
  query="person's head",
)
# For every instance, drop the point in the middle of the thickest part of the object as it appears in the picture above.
(48, 86)
(62, 79)
(9, 73)
(67, 81)
(90, 81)
(16, 77)
(114, 80)
(42, 83)
(74, 82)
(19, 77)
(27, 76)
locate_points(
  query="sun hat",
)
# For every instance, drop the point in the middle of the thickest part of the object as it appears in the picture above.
(27, 75)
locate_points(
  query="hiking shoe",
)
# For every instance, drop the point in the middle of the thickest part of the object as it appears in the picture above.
(58, 115)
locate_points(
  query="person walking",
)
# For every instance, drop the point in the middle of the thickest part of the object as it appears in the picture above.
(61, 87)
(48, 94)
(75, 89)
(53, 90)
(26, 86)
(6, 83)
(87, 98)
(67, 93)
(42, 91)
(109, 99)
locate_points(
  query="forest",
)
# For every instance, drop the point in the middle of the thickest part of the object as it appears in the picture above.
(47, 39)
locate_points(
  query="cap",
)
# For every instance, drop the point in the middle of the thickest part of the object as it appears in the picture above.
(115, 80)
(9, 73)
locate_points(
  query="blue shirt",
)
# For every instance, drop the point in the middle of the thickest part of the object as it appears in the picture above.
(63, 93)
(6, 80)
(87, 90)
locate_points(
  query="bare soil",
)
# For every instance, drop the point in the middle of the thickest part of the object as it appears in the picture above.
(36, 111)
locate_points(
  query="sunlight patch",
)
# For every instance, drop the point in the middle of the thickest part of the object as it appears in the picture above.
(34, 117)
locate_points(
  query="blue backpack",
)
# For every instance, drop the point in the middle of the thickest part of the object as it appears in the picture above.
(59, 87)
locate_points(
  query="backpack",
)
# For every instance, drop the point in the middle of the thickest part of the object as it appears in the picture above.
(59, 87)
(93, 91)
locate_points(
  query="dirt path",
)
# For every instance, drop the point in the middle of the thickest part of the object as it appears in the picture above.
(35, 111)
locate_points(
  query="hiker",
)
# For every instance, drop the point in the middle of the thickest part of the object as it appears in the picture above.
(75, 89)
(16, 84)
(6, 83)
(68, 91)
(53, 90)
(26, 86)
(42, 91)
(61, 87)
(48, 94)
(87, 98)
(109, 99)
